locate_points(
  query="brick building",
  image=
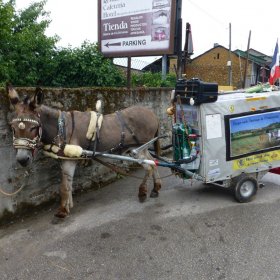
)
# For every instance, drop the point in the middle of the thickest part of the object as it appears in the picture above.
(212, 66)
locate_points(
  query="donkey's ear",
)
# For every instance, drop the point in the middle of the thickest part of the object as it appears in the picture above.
(13, 95)
(39, 96)
(37, 99)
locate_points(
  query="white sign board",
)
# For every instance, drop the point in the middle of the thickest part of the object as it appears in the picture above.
(136, 27)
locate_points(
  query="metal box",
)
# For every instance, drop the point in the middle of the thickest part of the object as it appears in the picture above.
(200, 92)
(239, 133)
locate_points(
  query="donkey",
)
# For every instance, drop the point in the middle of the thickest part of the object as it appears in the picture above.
(35, 125)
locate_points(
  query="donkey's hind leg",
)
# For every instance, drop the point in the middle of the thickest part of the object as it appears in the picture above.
(150, 170)
(157, 183)
(66, 202)
(143, 189)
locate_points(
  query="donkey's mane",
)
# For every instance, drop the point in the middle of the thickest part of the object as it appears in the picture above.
(51, 112)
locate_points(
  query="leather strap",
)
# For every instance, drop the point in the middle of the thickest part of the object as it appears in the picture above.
(123, 127)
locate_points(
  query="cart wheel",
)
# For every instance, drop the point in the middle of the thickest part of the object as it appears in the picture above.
(245, 189)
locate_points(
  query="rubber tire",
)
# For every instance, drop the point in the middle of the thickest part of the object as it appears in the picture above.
(239, 187)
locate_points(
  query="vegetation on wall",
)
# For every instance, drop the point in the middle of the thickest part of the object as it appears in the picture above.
(149, 79)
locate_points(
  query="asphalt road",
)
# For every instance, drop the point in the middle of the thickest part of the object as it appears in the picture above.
(190, 232)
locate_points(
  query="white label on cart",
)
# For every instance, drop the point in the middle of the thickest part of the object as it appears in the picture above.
(214, 172)
(213, 126)
(213, 162)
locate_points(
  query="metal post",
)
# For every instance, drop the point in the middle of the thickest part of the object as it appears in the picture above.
(129, 72)
(178, 38)
(164, 67)
(179, 49)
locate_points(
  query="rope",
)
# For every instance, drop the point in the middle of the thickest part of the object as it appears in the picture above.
(11, 194)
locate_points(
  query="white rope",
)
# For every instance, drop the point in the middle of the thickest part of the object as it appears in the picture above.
(11, 194)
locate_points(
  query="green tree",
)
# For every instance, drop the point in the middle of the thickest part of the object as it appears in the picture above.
(84, 66)
(27, 55)
(25, 50)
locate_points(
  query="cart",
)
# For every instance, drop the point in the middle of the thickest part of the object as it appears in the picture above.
(230, 140)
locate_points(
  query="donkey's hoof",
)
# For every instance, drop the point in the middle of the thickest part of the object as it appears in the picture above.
(55, 220)
(154, 194)
(142, 197)
(157, 186)
(61, 213)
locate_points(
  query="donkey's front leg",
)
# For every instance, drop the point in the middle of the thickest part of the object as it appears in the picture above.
(66, 202)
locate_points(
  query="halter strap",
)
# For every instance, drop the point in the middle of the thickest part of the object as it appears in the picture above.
(26, 143)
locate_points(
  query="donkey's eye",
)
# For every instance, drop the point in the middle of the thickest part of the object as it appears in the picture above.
(33, 128)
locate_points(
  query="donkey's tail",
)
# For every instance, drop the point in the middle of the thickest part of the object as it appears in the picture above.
(157, 148)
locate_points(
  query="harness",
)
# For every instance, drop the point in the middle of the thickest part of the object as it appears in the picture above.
(57, 148)
(27, 143)
(124, 126)
(60, 139)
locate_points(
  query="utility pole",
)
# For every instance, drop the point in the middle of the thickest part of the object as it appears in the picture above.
(178, 38)
(229, 64)
(246, 63)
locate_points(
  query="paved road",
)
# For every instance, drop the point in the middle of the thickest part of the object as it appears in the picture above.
(190, 232)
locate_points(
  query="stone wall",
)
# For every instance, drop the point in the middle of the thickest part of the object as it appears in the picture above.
(41, 181)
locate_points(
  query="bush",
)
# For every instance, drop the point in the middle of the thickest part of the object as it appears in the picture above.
(149, 79)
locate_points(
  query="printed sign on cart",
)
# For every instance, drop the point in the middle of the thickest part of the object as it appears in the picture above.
(133, 27)
(252, 133)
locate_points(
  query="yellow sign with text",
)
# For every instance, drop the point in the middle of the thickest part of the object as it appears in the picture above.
(265, 158)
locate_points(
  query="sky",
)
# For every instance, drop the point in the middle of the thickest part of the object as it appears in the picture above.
(258, 121)
(75, 21)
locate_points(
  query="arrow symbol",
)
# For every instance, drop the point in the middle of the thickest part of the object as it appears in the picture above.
(113, 44)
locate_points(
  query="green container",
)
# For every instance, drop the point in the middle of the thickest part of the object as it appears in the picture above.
(181, 148)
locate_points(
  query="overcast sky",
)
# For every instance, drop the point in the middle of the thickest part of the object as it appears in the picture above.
(76, 20)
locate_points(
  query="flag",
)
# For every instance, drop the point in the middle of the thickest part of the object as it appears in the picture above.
(274, 66)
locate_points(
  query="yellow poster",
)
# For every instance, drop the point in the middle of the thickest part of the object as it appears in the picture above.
(265, 158)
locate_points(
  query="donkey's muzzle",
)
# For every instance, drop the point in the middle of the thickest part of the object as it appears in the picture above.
(24, 157)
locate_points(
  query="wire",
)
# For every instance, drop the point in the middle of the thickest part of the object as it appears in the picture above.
(223, 24)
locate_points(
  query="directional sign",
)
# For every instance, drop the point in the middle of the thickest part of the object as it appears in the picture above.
(136, 27)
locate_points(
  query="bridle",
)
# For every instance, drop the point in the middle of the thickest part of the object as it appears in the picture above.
(27, 143)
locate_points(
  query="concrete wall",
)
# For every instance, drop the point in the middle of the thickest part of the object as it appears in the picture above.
(41, 181)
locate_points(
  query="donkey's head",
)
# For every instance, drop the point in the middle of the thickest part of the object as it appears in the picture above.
(26, 125)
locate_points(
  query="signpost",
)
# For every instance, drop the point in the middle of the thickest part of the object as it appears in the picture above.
(136, 27)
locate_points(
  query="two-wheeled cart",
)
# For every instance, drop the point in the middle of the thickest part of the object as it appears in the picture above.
(231, 140)
(235, 136)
